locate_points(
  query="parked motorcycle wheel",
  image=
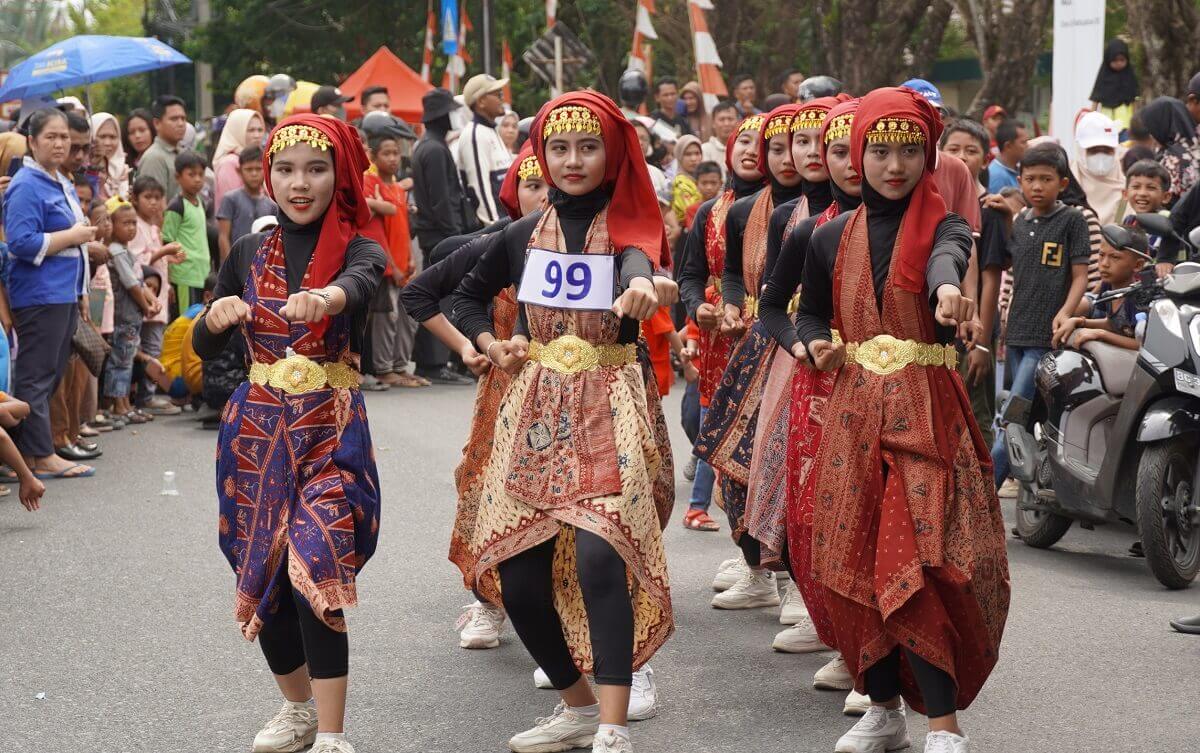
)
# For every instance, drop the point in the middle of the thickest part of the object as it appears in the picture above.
(1040, 530)
(1167, 520)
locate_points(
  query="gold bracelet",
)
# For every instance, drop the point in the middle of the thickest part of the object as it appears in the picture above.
(488, 352)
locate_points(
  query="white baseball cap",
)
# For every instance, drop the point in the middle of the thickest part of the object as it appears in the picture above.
(1096, 129)
(480, 85)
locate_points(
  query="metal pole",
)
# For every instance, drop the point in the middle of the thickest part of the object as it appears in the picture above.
(558, 72)
(487, 37)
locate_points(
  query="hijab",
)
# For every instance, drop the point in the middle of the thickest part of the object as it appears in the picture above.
(813, 115)
(633, 216)
(525, 166)
(837, 125)
(1115, 88)
(776, 123)
(348, 210)
(233, 135)
(742, 187)
(116, 172)
(699, 121)
(898, 114)
(1169, 122)
(681, 145)
(1104, 191)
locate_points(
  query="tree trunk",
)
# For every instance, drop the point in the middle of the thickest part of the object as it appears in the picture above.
(1165, 32)
(1008, 35)
(871, 43)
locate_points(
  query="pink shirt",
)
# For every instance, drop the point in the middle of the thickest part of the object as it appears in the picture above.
(143, 246)
(102, 284)
(228, 177)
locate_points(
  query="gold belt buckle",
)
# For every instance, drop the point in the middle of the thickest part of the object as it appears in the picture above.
(751, 306)
(570, 354)
(297, 374)
(884, 354)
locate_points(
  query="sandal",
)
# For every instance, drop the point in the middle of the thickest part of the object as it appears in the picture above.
(698, 520)
(409, 381)
(67, 473)
(133, 417)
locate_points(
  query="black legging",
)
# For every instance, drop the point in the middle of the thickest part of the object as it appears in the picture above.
(526, 582)
(883, 683)
(295, 637)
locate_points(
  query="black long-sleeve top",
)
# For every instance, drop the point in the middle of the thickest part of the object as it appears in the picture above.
(437, 192)
(693, 271)
(733, 284)
(502, 263)
(947, 262)
(819, 196)
(364, 267)
(452, 259)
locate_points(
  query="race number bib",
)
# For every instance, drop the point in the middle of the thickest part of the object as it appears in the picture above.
(587, 282)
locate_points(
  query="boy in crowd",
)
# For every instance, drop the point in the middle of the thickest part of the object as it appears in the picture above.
(83, 190)
(708, 181)
(1113, 322)
(242, 206)
(132, 302)
(1147, 186)
(1048, 253)
(393, 331)
(185, 223)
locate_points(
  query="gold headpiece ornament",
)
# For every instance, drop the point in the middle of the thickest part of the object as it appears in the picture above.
(806, 120)
(895, 131)
(839, 127)
(299, 134)
(752, 123)
(529, 168)
(776, 126)
(571, 119)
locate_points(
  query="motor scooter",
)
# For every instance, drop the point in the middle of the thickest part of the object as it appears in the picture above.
(1112, 435)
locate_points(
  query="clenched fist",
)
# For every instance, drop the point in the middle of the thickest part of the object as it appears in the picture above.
(226, 313)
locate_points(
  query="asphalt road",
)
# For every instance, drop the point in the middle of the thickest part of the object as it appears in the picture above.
(117, 606)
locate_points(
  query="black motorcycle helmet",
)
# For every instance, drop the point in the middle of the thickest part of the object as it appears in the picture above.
(377, 123)
(632, 88)
(819, 86)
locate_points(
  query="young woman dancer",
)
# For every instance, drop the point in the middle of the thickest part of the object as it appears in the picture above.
(299, 493)
(908, 541)
(568, 537)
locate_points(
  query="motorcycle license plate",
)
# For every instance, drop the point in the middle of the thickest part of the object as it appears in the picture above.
(1185, 382)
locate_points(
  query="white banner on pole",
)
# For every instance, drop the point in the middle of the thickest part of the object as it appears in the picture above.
(1078, 52)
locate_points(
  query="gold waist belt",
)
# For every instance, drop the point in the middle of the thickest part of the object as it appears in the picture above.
(296, 374)
(569, 354)
(714, 282)
(750, 306)
(884, 354)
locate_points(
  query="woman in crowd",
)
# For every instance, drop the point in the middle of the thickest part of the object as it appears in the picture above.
(137, 134)
(108, 157)
(1097, 167)
(243, 128)
(684, 191)
(1171, 125)
(299, 493)
(699, 123)
(509, 129)
(1116, 87)
(908, 540)
(47, 233)
(568, 536)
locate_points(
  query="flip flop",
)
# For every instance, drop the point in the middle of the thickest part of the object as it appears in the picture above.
(66, 473)
(7, 476)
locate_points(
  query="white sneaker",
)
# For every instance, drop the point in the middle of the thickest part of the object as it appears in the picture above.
(878, 731)
(834, 676)
(541, 680)
(800, 638)
(611, 742)
(566, 728)
(293, 728)
(856, 704)
(756, 588)
(728, 573)
(643, 696)
(792, 609)
(332, 745)
(480, 625)
(946, 742)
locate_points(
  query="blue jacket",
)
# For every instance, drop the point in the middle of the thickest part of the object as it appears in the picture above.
(35, 205)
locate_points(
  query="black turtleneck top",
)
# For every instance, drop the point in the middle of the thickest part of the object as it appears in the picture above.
(819, 198)
(788, 270)
(360, 276)
(692, 271)
(502, 262)
(733, 285)
(947, 262)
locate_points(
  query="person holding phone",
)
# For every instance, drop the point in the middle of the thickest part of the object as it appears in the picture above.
(46, 232)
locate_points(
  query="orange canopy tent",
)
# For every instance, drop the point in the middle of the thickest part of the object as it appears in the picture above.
(405, 87)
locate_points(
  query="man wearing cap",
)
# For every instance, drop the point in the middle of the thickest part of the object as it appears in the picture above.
(329, 100)
(482, 156)
(993, 116)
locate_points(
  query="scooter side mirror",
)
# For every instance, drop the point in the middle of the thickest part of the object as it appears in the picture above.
(1194, 237)
(1155, 223)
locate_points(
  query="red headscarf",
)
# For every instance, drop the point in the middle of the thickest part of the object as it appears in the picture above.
(840, 117)
(899, 114)
(751, 123)
(525, 164)
(780, 117)
(812, 114)
(633, 215)
(348, 211)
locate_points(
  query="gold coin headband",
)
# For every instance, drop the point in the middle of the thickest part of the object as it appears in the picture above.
(529, 168)
(298, 134)
(777, 125)
(752, 123)
(839, 127)
(809, 120)
(895, 131)
(571, 119)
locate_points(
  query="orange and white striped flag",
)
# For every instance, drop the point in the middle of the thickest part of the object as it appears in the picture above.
(551, 12)
(506, 64)
(430, 33)
(640, 52)
(708, 60)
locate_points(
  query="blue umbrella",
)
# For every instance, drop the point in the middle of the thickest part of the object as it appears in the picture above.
(86, 59)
